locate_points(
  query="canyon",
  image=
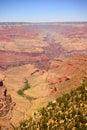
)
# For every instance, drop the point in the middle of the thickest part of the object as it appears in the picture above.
(36, 44)
(51, 56)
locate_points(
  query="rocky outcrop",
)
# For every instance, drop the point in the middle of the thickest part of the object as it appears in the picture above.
(59, 80)
(6, 104)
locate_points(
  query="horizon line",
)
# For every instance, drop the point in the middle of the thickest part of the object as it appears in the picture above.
(43, 22)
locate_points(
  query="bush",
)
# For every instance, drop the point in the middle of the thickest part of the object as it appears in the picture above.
(27, 86)
(20, 92)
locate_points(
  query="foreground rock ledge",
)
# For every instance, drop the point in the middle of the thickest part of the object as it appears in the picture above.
(6, 104)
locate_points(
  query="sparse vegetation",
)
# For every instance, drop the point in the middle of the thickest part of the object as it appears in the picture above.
(27, 86)
(65, 113)
(21, 91)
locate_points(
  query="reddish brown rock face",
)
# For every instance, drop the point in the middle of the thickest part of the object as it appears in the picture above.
(6, 104)
(59, 80)
(68, 75)
(1, 104)
(38, 44)
(9, 33)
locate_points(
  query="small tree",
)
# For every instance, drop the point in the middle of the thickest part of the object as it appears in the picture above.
(20, 92)
(27, 85)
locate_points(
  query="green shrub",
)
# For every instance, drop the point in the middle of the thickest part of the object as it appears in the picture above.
(27, 86)
(20, 92)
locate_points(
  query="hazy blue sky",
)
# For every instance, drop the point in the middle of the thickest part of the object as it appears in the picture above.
(43, 10)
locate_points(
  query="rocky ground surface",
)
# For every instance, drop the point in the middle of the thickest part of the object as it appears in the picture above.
(6, 105)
